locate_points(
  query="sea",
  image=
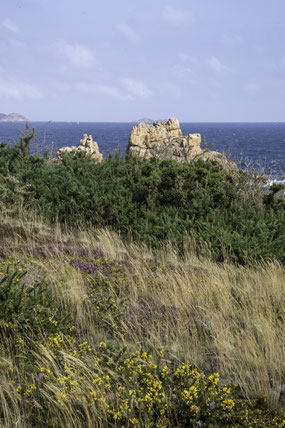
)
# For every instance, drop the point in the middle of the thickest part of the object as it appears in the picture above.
(258, 145)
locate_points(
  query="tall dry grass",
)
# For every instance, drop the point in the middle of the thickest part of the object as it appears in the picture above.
(223, 318)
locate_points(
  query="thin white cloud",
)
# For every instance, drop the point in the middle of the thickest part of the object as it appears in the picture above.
(136, 88)
(190, 59)
(16, 43)
(10, 88)
(104, 89)
(182, 70)
(129, 89)
(76, 55)
(176, 17)
(216, 64)
(252, 87)
(231, 40)
(10, 26)
(128, 32)
(214, 94)
(172, 90)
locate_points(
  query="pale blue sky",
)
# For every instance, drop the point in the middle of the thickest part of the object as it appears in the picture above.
(89, 60)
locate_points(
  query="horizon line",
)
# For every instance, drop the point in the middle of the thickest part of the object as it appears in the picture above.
(132, 121)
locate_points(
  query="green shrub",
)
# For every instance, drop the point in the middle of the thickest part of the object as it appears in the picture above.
(26, 309)
(69, 377)
(151, 201)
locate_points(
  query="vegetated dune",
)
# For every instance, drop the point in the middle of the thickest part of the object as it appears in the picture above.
(150, 293)
(103, 302)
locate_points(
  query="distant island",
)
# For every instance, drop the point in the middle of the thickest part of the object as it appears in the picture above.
(12, 117)
(144, 119)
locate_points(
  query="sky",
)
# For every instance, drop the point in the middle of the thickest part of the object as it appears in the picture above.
(197, 60)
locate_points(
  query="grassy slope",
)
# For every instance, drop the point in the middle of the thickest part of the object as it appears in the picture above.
(68, 343)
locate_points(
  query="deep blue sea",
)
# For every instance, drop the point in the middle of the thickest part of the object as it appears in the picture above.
(251, 143)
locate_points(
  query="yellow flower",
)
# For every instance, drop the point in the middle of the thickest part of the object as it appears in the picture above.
(165, 371)
(188, 395)
(195, 409)
(93, 395)
(227, 404)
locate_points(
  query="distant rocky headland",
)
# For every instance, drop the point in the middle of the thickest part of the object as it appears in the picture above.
(144, 120)
(12, 117)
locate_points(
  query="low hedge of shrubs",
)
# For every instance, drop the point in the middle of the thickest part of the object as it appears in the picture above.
(151, 201)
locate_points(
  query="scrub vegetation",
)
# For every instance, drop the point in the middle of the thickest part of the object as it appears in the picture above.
(139, 293)
(223, 213)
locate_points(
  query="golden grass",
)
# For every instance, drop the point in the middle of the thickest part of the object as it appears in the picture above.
(223, 318)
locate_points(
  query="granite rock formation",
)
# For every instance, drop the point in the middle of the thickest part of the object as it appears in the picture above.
(87, 145)
(164, 140)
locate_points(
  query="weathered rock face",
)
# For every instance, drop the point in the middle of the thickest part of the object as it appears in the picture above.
(87, 145)
(164, 140)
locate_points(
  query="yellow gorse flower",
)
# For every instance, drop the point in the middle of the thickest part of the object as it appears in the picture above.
(227, 404)
(102, 345)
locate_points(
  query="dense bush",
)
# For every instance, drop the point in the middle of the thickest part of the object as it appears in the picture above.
(55, 371)
(149, 200)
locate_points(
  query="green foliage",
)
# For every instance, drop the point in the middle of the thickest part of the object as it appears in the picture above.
(150, 201)
(106, 308)
(270, 199)
(11, 297)
(27, 308)
(64, 378)
(137, 389)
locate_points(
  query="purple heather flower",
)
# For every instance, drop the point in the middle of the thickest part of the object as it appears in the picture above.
(124, 415)
(81, 315)
(199, 424)
(212, 405)
(41, 375)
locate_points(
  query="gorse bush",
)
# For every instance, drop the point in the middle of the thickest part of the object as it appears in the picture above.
(27, 307)
(151, 201)
(59, 373)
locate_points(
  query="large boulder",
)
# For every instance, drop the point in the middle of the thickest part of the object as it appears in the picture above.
(164, 140)
(87, 145)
